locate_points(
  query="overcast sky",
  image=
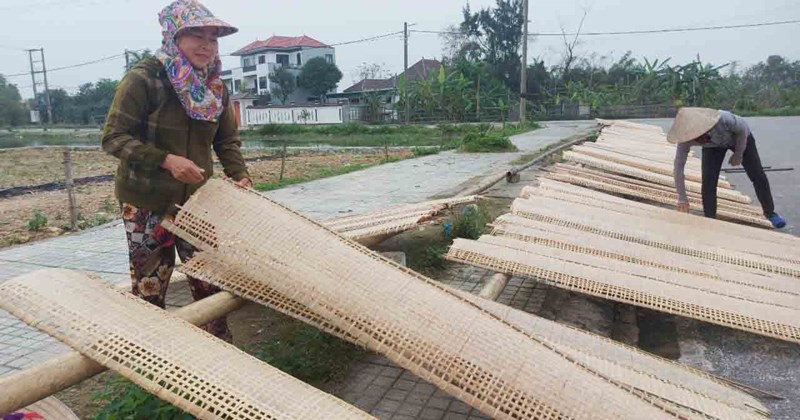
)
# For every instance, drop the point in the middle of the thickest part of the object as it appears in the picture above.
(75, 31)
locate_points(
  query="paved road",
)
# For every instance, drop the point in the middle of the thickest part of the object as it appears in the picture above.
(767, 364)
(103, 250)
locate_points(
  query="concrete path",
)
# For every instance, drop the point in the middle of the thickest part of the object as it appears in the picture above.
(103, 251)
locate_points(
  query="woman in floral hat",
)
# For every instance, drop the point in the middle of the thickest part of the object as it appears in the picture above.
(168, 114)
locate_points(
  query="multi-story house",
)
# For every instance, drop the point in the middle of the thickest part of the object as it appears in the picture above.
(261, 58)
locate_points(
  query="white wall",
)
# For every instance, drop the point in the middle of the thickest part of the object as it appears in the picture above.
(291, 115)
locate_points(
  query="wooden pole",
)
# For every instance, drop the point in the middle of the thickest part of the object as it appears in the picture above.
(405, 70)
(30, 385)
(494, 287)
(283, 160)
(478, 100)
(68, 181)
(523, 81)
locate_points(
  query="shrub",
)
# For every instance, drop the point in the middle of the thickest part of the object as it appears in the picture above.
(423, 151)
(433, 258)
(37, 222)
(128, 401)
(469, 223)
(278, 129)
(489, 142)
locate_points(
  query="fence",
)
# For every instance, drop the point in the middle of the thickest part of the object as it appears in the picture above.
(309, 114)
(577, 111)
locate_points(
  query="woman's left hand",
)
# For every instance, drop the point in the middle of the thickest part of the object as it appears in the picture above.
(245, 183)
(735, 161)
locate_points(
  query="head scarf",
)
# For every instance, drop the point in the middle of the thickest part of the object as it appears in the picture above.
(200, 91)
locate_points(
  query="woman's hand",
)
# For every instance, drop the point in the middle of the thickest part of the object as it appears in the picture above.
(245, 183)
(682, 207)
(182, 169)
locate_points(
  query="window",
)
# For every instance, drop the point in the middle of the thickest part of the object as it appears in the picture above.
(262, 83)
(236, 84)
(262, 59)
(282, 59)
(299, 62)
(248, 61)
(329, 57)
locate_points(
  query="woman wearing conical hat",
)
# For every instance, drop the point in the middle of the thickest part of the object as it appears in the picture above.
(717, 132)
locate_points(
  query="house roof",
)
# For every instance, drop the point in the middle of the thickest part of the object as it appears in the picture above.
(421, 70)
(281, 43)
(371, 84)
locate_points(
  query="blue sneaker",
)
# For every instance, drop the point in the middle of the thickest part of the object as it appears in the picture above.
(777, 221)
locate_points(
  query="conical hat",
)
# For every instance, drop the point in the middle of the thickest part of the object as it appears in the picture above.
(691, 123)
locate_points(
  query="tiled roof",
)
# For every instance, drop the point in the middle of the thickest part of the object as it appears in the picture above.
(281, 42)
(421, 70)
(371, 84)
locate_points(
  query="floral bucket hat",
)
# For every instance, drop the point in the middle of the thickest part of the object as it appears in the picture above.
(184, 14)
(200, 90)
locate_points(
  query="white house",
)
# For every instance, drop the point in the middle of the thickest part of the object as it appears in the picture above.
(261, 58)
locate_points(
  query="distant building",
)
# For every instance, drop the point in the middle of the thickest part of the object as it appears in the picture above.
(387, 88)
(261, 58)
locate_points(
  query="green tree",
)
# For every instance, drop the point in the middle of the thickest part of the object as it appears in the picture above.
(12, 111)
(134, 57)
(495, 36)
(283, 84)
(319, 76)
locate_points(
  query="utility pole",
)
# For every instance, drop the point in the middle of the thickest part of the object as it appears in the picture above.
(33, 81)
(48, 104)
(523, 82)
(46, 90)
(405, 70)
(127, 60)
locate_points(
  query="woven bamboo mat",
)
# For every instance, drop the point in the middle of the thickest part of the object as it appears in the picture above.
(663, 168)
(596, 244)
(745, 215)
(165, 355)
(670, 381)
(49, 408)
(603, 278)
(394, 220)
(647, 175)
(649, 188)
(440, 335)
(717, 226)
(758, 239)
(674, 236)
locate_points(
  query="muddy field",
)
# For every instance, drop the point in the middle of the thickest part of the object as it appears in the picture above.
(40, 215)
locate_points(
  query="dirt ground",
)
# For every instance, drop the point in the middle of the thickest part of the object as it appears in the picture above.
(33, 166)
(96, 202)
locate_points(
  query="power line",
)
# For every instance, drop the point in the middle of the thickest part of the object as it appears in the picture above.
(356, 41)
(662, 31)
(86, 63)
(638, 32)
(7, 47)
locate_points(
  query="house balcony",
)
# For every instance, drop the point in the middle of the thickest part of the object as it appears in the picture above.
(249, 69)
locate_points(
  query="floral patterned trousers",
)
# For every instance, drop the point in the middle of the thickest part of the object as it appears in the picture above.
(152, 259)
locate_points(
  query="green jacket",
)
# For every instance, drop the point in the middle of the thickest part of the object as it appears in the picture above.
(146, 122)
